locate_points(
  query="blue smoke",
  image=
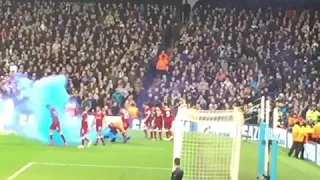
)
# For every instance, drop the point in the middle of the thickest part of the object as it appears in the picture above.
(31, 118)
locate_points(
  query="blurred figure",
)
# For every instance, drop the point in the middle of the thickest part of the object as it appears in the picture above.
(162, 64)
(55, 125)
(84, 128)
(292, 119)
(118, 96)
(186, 11)
(312, 114)
(99, 123)
(307, 131)
(316, 132)
(86, 103)
(177, 174)
(133, 111)
(115, 109)
(298, 135)
(129, 101)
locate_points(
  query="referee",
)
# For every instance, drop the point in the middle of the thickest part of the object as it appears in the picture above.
(177, 174)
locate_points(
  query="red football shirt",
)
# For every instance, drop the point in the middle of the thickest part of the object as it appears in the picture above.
(147, 113)
(99, 118)
(54, 115)
(168, 115)
(84, 122)
(158, 114)
(124, 116)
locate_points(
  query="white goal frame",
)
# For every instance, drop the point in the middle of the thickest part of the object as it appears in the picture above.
(194, 116)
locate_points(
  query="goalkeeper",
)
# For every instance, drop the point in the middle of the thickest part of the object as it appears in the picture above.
(108, 134)
(116, 128)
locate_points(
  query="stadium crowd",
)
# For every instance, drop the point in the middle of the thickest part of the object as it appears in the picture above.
(125, 54)
(104, 49)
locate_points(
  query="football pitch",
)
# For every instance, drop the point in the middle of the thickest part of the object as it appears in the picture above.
(140, 159)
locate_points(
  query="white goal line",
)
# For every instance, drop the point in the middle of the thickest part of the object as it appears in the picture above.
(101, 166)
(27, 166)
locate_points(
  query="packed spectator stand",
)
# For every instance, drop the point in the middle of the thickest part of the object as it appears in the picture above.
(103, 48)
(226, 54)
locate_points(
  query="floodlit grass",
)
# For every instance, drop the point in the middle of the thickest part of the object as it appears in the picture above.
(140, 159)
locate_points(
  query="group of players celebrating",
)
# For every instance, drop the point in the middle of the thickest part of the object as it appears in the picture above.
(157, 119)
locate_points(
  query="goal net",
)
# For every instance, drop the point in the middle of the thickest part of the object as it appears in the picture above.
(208, 143)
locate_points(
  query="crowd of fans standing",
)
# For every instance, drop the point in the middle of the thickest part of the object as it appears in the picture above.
(217, 57)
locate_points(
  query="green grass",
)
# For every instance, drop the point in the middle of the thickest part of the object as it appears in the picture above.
(140, 159)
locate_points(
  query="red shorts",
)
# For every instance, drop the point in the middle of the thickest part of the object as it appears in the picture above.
(83, 132)
(98, 128)
(167, 124)
(126, 124)
(55, 126)
(158, 124)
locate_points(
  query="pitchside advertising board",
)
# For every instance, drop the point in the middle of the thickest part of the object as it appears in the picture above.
(312, 150)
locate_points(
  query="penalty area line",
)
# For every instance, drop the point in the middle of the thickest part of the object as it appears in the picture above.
(17, 173)
(101, 166)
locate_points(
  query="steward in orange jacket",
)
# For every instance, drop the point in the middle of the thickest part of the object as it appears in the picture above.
(298, 135)
(316, 132)
(307, 131)
(292, 120)
(163, 62)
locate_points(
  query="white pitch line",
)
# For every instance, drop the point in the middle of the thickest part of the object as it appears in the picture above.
(17, 173)
(101, 166)
(135, 147)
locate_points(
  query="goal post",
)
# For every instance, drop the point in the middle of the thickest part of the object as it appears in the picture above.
(208, 142)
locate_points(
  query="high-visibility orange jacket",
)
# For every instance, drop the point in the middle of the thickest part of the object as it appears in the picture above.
(163, 62)
(298, 133)
(316, 130)
(292, 120)
(309, 133)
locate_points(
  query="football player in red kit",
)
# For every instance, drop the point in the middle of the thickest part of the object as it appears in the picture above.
(158, 123)
(55, 125)
(147, 120)
(98, 120)
(125, 118)
(84, 128)
(168, 117)
(153, 116)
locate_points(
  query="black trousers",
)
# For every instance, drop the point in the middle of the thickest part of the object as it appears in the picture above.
(302, 152)
(296, 148)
